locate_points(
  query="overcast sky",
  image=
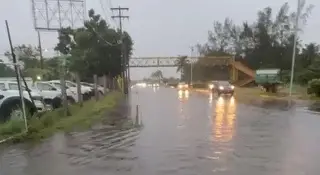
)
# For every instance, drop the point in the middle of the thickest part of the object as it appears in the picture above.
(158, 27)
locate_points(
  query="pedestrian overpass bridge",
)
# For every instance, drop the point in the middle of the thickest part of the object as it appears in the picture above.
(235, 66)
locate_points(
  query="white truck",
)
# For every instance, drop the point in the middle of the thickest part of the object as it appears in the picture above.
(10, 104)
(99, 88)
(72, 95)
(52, 98)
(87, 92)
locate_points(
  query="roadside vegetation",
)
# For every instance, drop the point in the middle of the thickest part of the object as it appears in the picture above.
(92, 50)
(45, 124)
(264, 43)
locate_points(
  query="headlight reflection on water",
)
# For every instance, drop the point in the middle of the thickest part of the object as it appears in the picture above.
(223, 120)
(183, 94)
(210, 98)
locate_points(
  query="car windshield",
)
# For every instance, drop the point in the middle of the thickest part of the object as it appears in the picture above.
(58, 85)
(224, 83)
(14, 86)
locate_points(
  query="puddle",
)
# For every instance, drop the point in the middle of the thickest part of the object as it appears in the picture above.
(282, 104)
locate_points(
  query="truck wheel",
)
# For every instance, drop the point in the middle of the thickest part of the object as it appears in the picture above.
(15, 112)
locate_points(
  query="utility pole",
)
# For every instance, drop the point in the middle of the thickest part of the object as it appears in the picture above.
(125, 59)
(40, 49)
(18, 76)
(296, 28)
(191, 65)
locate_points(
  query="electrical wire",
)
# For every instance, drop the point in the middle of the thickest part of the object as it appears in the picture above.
(106, 15)
(107, 42)
(104, 11)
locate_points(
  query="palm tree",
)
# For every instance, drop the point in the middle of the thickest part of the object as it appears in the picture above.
(181, 62)
(157, 75)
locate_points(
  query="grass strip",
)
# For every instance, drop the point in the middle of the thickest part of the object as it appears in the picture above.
(46, 124)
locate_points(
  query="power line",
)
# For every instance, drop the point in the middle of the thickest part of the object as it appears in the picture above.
(107, 42)
(111, 6)
(103, 10)
(107, 13)
(120, 16)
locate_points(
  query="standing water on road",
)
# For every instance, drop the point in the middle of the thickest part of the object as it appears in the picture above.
(183, 134)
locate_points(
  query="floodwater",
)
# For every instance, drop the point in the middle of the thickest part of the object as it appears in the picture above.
(182, 134)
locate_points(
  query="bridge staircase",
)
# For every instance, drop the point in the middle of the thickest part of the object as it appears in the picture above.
(238, 66)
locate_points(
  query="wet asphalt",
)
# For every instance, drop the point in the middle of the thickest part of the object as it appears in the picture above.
(181, 134)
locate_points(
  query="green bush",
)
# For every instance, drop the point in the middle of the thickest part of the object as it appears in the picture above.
(314, 87)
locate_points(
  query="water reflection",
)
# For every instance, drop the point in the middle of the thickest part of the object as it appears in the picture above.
(223, 126)
(154, 88)
(210, 98)
(183, 95)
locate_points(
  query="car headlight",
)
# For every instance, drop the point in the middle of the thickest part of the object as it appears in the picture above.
(221, 87)
(211, 86)
(232, 87)
(180, 86)
(186, 86)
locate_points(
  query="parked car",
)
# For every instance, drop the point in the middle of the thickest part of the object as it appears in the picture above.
(99, 88)
(10, 104)
(223, 87)
(51, 96)
(87, 92)
(72, 95)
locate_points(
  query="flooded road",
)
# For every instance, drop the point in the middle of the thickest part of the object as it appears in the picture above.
(182, 134)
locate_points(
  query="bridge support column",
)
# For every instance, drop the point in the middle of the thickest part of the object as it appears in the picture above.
(234, 73)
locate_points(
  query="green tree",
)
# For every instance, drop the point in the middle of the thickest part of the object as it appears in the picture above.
(29, 56)
(266, 43)
(157, 75)
(95, 48)
(182, 61)
(6, 71)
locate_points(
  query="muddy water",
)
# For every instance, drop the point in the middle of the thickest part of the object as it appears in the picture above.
(182, 134)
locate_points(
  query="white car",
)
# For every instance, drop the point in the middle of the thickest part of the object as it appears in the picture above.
(100, 88)
(12, 87)
(10, 104)
(52, 96)
(86, 91)
(72, 95)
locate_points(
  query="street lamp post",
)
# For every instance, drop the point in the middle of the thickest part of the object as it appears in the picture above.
(296, 28)
(191, 65)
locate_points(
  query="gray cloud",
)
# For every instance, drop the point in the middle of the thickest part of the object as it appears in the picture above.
(158, 27)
